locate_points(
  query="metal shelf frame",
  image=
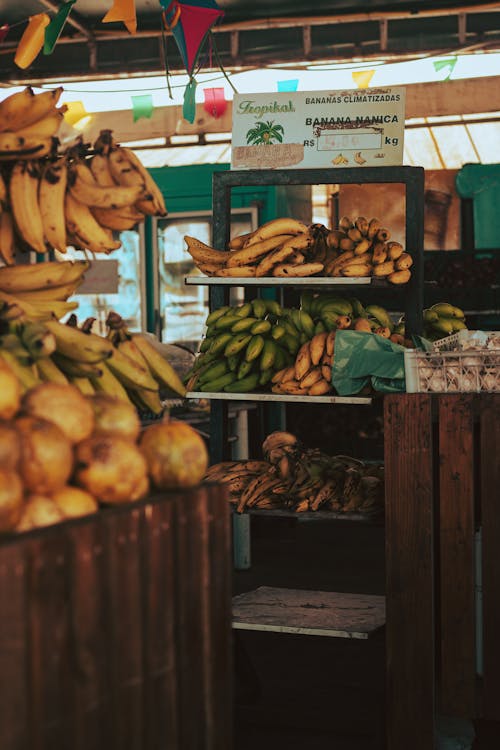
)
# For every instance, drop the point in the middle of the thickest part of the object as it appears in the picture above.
(412, 178)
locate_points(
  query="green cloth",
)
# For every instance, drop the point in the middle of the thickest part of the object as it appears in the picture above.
(366, 358)
(481, 183)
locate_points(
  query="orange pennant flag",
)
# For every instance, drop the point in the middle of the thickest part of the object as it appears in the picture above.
(32, 40)
(362, 78)
(123, 10)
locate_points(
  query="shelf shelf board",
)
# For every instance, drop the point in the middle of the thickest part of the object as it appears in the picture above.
(314, 516)
(281, 281)
(323, 613)
(279, 397)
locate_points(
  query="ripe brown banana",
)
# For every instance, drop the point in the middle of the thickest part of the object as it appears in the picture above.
(383, 269)
(252, 253)
(204, 253)
(299, 270)
(276, 227)
(303, 361)
(317, 347)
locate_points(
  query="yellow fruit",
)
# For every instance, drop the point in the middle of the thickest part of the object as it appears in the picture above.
(64, 405)
(10, 446)
(74, 502)
(46, 455)
(113, 416)
(40, 510)
(111, 468)
(10, 392)
(176, 454)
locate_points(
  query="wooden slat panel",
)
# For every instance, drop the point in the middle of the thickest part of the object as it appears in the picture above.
(13, 649)
(49, 633)
(192, 577)
(160, 646)
(220, 636)
(490, 510)
(126, 612)
(456, 552)
(409, 574)
(92, 641)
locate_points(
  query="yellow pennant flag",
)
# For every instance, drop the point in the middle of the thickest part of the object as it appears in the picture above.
(362, 78)
(75, 113)
(32, 40)
(123, 10)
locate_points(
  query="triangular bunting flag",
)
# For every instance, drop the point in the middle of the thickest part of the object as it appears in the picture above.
(189, 107)
(362, 78)
(215, 103)
(142, 106)
(448, 63)
(123, 10)
(32, 40)
(55, 27)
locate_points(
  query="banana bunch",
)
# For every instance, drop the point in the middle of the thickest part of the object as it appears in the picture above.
(301, 479)
(76, 198)
(243, 347)
(29, 123)
(39, 291)
(283, 247)
(362, 248)
(443, 319)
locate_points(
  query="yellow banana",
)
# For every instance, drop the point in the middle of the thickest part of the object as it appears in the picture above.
(317, 347)
(74, 369)
(51, 307)
(284, 225)
(81, 224)
(51, 194)
(3, 194)
(383, 269)
(108, 383)
(237, 272)
(7, 247)
(162, 369)
(379, 253)
(400, 277)
(85, 189)
(357, 270)
(50, 372)
(48, 294)
(13, 146)
(311, 378)
(99, 166)
(128, 170)
(24, 202)
(129, 372)
(84, 385)
(303, 361)
(79, 346)
(47, 127)
(146, 400)
(204, 253)
(24, 108)
(373, 228)
(394, 250)
(283, 253)
(254, 252)
(27, 277)
(404, 261)
(118, 219)
(299, 270)
(320, 388)
(151, 186)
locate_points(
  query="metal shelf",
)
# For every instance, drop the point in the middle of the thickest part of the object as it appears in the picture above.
(285, 398)
(311, 516)
(281, 281)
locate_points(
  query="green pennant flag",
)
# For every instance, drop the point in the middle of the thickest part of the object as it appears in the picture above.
(142, 106)
(55, 27)
(448, 63)
(189, 107)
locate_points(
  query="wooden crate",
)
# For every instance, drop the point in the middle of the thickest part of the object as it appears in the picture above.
(442, 486)
(115, 630)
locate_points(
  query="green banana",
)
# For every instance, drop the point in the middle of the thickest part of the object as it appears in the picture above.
(259, 308)
(273, 307)
(233, 362)
(205, 345)
(226, 321)
(443, 325)
(218, 384)
(319, 327)
(381, 316)
(358, 310)
(244, 310)
(306, 323)
(430, 316)
(237, 343)
(292, 343)
(289, 327)
(268, 354)
(243, 324)
(336, 304)
(220, 342)
(216, 314)
(329, 319)
(444, 309)
(216, 370)
(280, 359)
(245, 385)
(245, 368)
(261, 326)
(306, 300)
(295, 318)
(265, 377)
(278, 331)
(254, 348)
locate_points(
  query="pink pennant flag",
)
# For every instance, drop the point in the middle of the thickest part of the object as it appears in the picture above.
(215, 103)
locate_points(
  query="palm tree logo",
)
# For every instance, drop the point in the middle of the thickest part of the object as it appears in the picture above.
(265, 133)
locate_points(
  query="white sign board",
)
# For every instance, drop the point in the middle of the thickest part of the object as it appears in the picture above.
(352, 128)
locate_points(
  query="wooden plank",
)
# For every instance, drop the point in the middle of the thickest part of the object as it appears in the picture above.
(220, 643)
(456, 555)
(490, 511)
(126, 615)
(303, 281)
(13, 649)
(409, 571)
(161, 728)
(323, 613)
(91, 636)
(191, 621)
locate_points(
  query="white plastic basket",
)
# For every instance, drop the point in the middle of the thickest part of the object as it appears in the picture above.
(452, 371)
(469, 340)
